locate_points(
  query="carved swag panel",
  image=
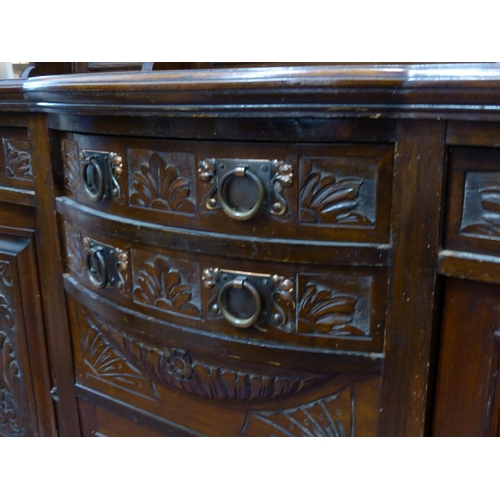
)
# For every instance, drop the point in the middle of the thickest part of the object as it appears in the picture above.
(116, 357)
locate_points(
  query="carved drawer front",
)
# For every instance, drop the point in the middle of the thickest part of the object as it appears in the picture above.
(473, 205)
(16, 170)
(322, 307)
(335, 192)
(208, 390)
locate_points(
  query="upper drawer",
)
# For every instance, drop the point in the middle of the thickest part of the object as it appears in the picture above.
(333, 192)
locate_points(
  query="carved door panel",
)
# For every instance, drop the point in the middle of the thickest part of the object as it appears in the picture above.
(467, 397)
(25, 405)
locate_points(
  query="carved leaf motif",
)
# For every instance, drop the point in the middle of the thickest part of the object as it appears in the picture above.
(5, 273)
(104, 362)
(6, 313)
(11, 418)
(159, 286)
(320, 418)
(72, 177)
(322, 312)
(17, 160)
(157, 185)
(324, 199)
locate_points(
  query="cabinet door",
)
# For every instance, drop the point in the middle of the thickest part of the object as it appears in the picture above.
(468, 397)
(25, 402)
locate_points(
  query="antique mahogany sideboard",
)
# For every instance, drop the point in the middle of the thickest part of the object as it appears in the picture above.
(283, 251)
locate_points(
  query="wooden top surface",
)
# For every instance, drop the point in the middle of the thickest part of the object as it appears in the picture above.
(374, 90)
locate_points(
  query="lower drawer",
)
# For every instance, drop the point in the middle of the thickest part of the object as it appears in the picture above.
(208, 391)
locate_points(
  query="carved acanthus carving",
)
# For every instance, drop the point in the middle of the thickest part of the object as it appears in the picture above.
(157, 185)
(331, 416)
(159, 286)
(17, 159)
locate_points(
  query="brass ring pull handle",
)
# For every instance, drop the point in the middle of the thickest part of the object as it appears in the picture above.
(95, 264)
(231, 318)
(93, 180)
(232, 212)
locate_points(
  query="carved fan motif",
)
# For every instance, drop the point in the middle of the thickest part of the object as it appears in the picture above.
(103, 362)
(328, 200)
(331, 416)
(17, 160)
(159, 286)
(322, 312)
(158, 185)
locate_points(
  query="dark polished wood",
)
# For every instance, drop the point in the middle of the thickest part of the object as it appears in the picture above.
(467, 399)
(52, 295)
(289, 250)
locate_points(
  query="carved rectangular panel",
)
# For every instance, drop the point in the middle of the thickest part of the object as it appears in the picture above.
(16, 169)
(467, 399)
(165, 283)
(338, 191)
(161, 180)
(25, 405)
